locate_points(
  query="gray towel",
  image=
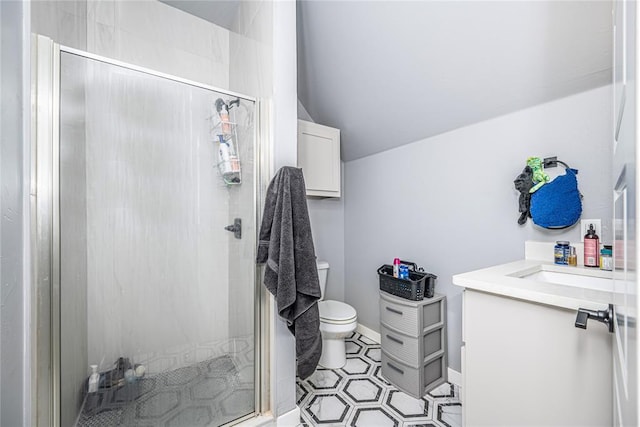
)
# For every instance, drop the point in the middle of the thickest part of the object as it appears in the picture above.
(291, 275)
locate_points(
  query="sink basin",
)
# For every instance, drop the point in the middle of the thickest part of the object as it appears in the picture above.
(577, 278)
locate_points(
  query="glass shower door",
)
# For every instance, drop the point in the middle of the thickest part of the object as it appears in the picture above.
(157, 234)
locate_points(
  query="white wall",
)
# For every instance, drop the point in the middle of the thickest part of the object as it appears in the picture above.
(327, 227)
(449, 204)
(285, 152)
(14, 267)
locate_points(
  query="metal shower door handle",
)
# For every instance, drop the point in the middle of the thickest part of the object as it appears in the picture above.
(235, 228)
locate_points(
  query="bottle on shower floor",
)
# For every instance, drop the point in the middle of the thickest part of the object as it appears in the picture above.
(94, 379)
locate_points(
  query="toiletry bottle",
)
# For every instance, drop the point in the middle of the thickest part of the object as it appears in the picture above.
(224, 118)
(94, 379)
(396, 267)
(403, 272)
(224, 162)
(606, 258)
(591, 248)
(573, 258)
(561, 252)
(140, 370)
(233, 157)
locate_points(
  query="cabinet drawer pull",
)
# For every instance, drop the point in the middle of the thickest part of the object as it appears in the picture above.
(393, 310)
(395, 339)
(395, 368)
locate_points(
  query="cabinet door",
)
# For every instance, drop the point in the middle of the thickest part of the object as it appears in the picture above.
(319, 158)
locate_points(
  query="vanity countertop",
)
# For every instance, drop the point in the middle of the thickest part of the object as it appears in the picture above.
(506, 280)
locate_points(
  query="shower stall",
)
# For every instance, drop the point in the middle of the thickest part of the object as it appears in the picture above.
(145, 190)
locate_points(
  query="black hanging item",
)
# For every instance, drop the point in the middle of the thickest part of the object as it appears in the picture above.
(523, 184)
(557, 204)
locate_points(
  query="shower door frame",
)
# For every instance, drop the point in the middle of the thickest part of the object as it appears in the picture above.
(44, 192)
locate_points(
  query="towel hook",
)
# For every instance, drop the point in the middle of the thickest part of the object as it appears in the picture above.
(552, 162)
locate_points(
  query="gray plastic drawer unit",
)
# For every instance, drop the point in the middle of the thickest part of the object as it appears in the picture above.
(413, 335)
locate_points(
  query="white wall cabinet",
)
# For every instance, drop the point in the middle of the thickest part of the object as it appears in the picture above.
(524, 363)
(319, 158)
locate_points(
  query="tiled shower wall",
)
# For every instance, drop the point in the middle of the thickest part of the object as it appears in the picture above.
(156, 36)
(250, 72)
(142, 32)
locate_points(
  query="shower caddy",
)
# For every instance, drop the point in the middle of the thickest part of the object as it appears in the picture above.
(226, 137)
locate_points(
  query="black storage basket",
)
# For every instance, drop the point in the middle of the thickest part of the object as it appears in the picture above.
(419, 285)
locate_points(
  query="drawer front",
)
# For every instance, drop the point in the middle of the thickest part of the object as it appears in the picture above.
(400, 317)
(432, 314)
(415, 381)
(402, 376)
(433, 342)
(401, 346)
(433, 374)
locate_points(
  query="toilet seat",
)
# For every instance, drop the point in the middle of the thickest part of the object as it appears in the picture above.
(336, 312)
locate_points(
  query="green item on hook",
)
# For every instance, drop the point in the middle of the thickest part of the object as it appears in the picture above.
(539, 178)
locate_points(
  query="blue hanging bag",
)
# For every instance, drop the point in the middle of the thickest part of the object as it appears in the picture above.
(557, 204)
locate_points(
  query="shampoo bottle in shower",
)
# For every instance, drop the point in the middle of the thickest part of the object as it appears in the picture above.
(224, 162)
(591, 248)
(94, 379)
(223, 112)
(224, 118)
(233, 157)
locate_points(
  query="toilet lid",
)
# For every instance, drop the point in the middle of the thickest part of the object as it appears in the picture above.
(332, 311)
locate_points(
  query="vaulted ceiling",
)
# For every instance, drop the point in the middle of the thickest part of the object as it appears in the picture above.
(388, 73)
(391, 72)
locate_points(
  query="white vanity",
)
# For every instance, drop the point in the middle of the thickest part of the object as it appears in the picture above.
(523, 360)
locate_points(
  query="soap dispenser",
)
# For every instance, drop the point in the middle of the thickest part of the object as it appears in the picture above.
(591, 248)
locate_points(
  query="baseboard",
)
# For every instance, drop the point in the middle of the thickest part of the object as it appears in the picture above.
(290, 419)
(454, 377)
(369, 333)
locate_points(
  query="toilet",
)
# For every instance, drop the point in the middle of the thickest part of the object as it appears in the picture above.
(337, 321)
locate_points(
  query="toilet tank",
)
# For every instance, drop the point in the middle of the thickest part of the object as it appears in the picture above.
(323, 269)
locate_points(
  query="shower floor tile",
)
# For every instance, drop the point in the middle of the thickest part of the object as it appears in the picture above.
(209, 393)
(358, 395)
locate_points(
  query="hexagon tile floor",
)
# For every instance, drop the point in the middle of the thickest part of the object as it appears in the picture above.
(208, 393)
(358, 395)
